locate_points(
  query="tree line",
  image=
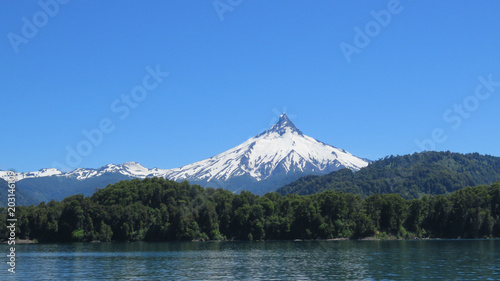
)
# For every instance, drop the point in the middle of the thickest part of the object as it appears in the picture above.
(162, 210)
(411, 176)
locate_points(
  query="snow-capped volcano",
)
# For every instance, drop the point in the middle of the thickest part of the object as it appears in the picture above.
(281, 151)
(263, 163)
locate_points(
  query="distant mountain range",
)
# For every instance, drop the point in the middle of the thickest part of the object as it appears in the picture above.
(263, 163)
(411, 176)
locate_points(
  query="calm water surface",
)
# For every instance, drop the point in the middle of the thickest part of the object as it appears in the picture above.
(306, 260)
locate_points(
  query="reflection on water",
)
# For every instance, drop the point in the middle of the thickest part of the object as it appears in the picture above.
(275, 260)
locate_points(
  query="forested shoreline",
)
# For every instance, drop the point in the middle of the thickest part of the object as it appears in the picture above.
(162, 210)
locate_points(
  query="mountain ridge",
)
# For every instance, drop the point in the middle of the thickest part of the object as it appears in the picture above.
(411, 176)
(261, 164)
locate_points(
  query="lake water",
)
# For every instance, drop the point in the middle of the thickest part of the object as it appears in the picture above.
(276, 260)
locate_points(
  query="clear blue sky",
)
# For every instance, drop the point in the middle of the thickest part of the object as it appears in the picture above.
(232, 72)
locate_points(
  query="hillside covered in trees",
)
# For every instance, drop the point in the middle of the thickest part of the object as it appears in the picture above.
(161, 210)
(411, 176)
(22, 197)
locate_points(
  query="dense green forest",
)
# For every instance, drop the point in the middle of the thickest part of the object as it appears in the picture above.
(160, 210)
(411, 176)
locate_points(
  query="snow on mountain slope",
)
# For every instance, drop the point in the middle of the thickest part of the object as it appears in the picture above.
(281, 148)
(130, 169)
(38, 174)
(262, 163)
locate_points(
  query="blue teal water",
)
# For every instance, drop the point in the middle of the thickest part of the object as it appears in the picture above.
(276, 260)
